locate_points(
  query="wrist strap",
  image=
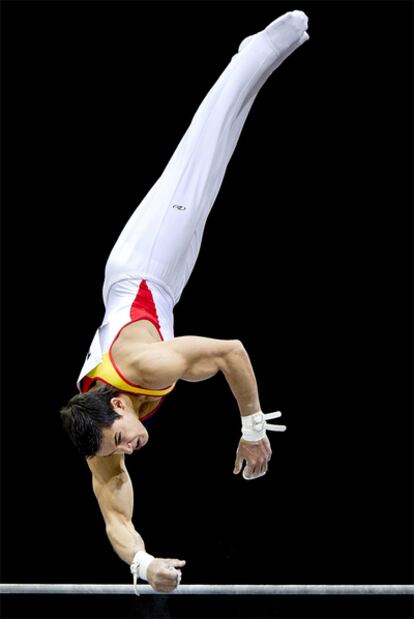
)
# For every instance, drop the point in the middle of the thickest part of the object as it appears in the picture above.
(254, 426)
(139, 566)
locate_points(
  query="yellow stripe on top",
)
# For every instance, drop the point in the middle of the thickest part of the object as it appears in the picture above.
(106, 372)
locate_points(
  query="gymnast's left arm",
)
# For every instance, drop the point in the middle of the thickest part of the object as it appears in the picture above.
(196, 358)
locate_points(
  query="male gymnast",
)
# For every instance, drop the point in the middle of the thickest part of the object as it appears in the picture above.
(134, 360)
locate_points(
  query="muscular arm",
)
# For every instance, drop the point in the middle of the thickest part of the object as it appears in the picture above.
(198, 358)
(113, 490)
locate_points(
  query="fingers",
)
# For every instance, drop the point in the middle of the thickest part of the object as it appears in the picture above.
(258, 466)
(238, 464)
(175, 562)
(255, 455)
(256, 471)
(249, 477)
(167, 575)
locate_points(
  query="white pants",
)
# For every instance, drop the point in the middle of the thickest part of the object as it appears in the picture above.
(161, 240)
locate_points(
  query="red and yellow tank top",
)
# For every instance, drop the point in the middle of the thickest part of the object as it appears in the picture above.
(108, 372)
(141, 308)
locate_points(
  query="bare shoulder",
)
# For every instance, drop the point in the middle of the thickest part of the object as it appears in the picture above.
(133, 340)
(135, 336)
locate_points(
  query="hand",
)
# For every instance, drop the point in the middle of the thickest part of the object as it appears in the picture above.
(256, 455)
(163, 574)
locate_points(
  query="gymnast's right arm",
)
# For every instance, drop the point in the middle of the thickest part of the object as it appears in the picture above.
(113, 489)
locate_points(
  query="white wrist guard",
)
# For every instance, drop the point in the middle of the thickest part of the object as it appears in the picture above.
(140, 565)
(254, 426)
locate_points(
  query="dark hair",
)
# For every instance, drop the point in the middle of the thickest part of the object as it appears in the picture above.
(85, 416)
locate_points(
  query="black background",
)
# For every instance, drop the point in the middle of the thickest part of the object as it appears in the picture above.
(307, 258)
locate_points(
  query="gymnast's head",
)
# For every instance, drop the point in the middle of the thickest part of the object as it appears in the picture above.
(103, 422)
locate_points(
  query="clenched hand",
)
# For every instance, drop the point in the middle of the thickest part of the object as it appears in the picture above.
(164, 575)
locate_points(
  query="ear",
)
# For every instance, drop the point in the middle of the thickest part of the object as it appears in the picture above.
(118, 404)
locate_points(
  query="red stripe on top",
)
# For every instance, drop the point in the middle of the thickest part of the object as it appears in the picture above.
(143, 306)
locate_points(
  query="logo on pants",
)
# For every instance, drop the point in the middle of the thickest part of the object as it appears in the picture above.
(179, 207)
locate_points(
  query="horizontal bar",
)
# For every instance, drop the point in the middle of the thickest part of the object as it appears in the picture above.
(79, 589)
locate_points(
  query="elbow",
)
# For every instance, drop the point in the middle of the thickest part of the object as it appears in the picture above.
(235, 354)
(238, 346)
(237, 350)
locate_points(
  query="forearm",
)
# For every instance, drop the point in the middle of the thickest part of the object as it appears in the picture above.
(240, 376)
(115, 499)
(125, 540)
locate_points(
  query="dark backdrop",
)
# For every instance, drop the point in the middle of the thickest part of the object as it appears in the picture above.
(307, 258)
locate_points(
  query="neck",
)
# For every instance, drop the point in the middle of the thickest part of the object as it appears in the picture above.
(133, 401)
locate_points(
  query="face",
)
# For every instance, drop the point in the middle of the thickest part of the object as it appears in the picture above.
(126, 434)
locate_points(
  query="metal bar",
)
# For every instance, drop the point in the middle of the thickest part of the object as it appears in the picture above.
(80, 589)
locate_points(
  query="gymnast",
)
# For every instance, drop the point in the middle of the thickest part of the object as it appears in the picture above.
(134, 360)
